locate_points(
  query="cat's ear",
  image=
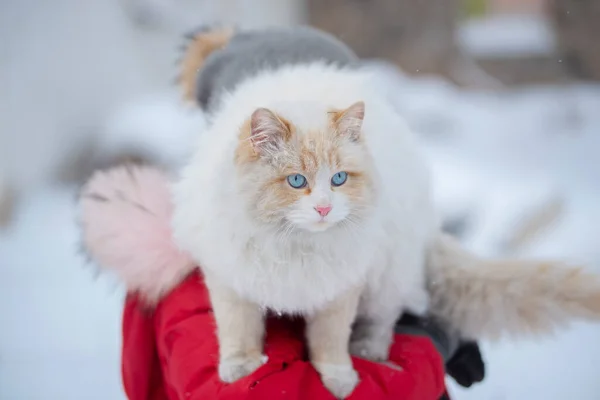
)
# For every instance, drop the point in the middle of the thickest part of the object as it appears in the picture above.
(348, 122)
(268, 131)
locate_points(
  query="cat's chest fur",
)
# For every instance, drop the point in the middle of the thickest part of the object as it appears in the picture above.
(292, 275)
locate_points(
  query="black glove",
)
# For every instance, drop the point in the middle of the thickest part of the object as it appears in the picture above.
(463, 359)
(466, 366)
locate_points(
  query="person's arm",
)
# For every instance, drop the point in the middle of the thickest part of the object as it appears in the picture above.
(445, 342)
(186, 350)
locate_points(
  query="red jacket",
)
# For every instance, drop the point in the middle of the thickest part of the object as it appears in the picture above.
(171, 353)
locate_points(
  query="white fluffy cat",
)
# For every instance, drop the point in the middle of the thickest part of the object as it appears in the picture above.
(252, 208)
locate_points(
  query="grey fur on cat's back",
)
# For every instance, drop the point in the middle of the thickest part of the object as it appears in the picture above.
(251, 52)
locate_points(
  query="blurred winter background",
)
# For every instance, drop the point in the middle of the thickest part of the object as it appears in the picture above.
(502, 93)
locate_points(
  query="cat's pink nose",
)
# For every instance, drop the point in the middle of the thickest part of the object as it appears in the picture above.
(323, 210)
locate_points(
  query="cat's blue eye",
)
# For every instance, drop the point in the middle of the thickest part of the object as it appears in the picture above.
(296, 181)
(339, 179)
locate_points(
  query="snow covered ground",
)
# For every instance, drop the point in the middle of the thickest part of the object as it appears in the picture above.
(59, 326)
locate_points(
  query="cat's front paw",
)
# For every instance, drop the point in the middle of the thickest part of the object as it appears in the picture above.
(340, 380)
(233, 368)
(370, 348)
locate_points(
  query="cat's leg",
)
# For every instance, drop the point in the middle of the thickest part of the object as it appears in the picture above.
(240, 330)
(328, 334)
(380, 308)
(372, 336)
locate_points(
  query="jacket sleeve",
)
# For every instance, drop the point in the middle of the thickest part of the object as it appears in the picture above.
(188, 352)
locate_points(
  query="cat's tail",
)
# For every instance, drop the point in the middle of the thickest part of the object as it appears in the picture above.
(201, 43)
(492, 299)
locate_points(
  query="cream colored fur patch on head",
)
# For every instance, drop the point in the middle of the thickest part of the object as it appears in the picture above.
(330, 163)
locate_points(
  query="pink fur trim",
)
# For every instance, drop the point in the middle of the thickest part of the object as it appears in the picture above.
(126, 216)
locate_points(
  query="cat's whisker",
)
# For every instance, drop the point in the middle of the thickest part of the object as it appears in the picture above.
(288, 231)
(355, 222)
(349, 225)
(362, 207)
(284, 231)
(344, 225)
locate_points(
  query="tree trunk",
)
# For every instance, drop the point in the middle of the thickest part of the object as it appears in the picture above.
(577, 29)
(418, 36)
